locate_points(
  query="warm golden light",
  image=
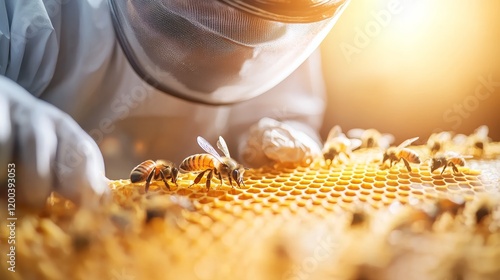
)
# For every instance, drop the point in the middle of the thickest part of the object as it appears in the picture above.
(415, 67)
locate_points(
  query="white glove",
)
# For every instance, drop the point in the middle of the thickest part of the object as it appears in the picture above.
(271, 141)
(48, 148)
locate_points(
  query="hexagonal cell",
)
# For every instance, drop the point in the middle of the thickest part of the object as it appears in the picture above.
(366, 186)
(311, 191)
(271, 190)
(380, 178)
(295, 178)
(267, 181)
(439, 182)
(369, 179)
(410, 187)
(358, 176)
(226, 198)
(378, 191)
(329, 184)
(296, 192)
(343, 183)
(415, 180)
(392, 183)
(391, 189)
(245, 196)
(290, 184)
(281, 180)
(259, 185)
(405, 176)
(371, 174)
(356, 181)
(353, 187)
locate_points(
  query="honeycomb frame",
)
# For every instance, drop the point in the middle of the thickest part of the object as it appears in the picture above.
(353, 220)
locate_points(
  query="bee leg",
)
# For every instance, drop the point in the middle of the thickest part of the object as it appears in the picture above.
(164, 179)
(198, 178)
(455, 169)
(230, 181)
(148, 180)
(444, 168)
(219, 175)
(209, 179)
(175, 173)
(407, 164)
(239, 180)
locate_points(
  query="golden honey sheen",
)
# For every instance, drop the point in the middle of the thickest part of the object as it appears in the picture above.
(353, 220)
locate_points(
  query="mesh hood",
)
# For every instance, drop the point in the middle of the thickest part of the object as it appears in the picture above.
(209, 52)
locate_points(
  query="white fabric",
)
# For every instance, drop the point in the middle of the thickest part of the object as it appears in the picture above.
(45, 150)
(65, 53)
(272, 141)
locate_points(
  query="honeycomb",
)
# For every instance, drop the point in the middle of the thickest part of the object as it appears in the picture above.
(352, 220)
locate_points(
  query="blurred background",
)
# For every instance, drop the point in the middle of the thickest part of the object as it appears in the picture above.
(414, 67)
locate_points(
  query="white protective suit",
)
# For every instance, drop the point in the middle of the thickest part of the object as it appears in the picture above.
(61, 67)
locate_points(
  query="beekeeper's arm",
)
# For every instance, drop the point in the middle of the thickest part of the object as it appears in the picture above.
(42, 149)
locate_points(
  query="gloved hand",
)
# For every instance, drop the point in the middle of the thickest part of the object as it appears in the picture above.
(50, 152)
(271, 141)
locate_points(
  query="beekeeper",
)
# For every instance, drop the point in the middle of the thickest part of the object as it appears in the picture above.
(91, 83)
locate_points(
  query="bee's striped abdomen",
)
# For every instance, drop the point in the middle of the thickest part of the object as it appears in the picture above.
(458, 161)
(198, 162)
(141, 171)
(409, 155)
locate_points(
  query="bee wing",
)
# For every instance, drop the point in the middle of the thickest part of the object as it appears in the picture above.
(208, 148)
(336, 131)
(482, 132)
(386, 140)
(460, 139)
(221, 144)
(451, 154)
(355, 133)
(444, 136)
(355, 143)
(407, 142)
(432, 137)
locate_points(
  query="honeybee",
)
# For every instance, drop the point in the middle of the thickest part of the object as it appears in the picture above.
(452, 159)
(213, 163)
(337, 144)
(371, 138)
(436, 141)
(476, 142)
(154, 170)
(395, 154)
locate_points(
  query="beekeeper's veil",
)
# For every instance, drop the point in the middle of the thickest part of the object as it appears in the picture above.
(220, 51)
